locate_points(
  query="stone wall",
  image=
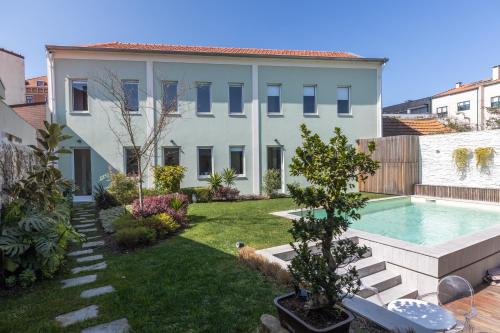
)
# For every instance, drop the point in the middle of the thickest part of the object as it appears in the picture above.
(437, 165)
(15, 161)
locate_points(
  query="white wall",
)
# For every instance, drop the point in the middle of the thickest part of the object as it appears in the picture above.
(12, 76)
(437, 163)
(12, 124)
(489, 92)
(451, 102)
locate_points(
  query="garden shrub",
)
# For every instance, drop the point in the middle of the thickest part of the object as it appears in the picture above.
(163, 224)
(168, 178)
(122, 187)
(272, 182)
(201, 193)
(103, 198)
(225, 193)
(10, 282)
(27, 278)
(108, 217)
(162, 204)
(133, 237)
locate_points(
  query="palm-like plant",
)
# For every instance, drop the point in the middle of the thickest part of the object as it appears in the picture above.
(215, 181)
(229, 177)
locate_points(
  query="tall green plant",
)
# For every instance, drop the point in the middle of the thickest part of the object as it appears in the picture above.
(272, 182)
(331, 168)
(228, 177)
(215, 181)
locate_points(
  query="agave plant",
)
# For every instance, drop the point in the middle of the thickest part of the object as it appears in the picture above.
(228, 177)
(215, 181)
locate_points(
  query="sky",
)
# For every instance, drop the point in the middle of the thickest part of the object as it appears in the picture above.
(430, 44)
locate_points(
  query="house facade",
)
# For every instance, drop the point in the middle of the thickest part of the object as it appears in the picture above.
(469, 102)
(233, 108)
(36, 89)
(12, 74)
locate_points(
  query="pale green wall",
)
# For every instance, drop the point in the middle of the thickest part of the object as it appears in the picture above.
(218, 130)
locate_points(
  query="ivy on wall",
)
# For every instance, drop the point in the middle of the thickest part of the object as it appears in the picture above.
(461, 157)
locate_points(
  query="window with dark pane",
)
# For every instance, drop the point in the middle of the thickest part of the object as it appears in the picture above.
(131, 164)
(235, 98)
(131, 94)
(343, 103)
(171, 156)
(203, 98)
(309, 100)
(273, 99)
(79, 95)
(204, 161)
(170, 97)
(237, 160)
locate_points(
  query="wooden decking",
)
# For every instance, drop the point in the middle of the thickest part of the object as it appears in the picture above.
(487, 301)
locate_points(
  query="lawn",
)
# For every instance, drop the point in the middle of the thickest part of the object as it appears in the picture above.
(191, 282)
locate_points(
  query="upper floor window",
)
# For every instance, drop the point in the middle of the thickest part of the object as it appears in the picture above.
(131, 94)
(274, 99)
(205, 161)
(171, 156)
(235, 98)
(131, 165)
(442, 111)
(309, 100)
(203, 99)
(343, 100)
(463, 106)
(495, 102)
(40, 83)
(170, 97)
(79, 95)
(237, 160)
(29, 99)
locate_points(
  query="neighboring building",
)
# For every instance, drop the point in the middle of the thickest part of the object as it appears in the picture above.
(12, 74)
(237, 107)
(12, 127)
(393, 126)
(34, 113)
(36, 90)
(469, 102)
(419, 107)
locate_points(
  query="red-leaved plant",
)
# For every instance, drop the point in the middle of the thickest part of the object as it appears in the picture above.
(174, 204)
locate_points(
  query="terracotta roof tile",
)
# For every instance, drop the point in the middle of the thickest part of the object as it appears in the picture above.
(34, 113)
(31, 82)
(212, 50)
(427, 126)
(467, 87)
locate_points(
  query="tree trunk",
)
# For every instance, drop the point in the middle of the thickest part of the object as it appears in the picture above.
(139, 174)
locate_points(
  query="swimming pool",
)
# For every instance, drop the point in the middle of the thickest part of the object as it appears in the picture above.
(423, 223)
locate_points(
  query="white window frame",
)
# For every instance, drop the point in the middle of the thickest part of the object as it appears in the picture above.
(349, 114)
(279, 85)
(497, 101)
(163, 154)
(463, 102)
(315, 87)
(30, 97)
(198, 161)
(242, 149)
(209, 84)
(242, 112)
(124, 81)
(71, 97)
(163, 84)
(42, 85)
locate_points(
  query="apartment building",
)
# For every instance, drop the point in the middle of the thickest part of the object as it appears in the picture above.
(469, 102)
(36, 89)
(12, 74)
(234, 108)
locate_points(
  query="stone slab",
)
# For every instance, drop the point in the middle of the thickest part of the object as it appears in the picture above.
(86, 225)
(88, 230)
(79, 315)
(79, 281)
(95, 267)
(97, 291)
(80, 252)
(90, 258)
(117, 326)
(93, 237)
(92, 244)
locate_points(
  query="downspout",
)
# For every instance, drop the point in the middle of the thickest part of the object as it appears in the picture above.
(477, 108)
(51, 88)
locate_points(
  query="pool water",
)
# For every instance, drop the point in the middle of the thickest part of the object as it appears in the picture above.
(426, 223)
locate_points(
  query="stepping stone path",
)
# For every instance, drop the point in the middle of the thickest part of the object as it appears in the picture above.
(84, 220)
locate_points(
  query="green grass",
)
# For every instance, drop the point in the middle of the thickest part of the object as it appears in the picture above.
(191, 282)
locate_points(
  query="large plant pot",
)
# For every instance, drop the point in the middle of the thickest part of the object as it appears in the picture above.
(294, 324)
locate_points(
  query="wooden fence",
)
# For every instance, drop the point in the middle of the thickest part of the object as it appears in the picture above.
(399, 171)
(455, 192)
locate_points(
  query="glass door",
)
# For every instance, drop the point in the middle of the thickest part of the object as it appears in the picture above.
(82, 171)
(275, 161)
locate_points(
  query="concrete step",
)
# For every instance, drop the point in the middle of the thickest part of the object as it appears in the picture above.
(391, 294)
(366, 266)
(382, 280)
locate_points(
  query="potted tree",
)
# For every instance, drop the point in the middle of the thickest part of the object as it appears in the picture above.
(322, 270)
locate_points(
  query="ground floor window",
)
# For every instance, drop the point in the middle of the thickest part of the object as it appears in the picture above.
(171, 156)
(131, 164)
(274, 159)
(204, 161)
(237, 160)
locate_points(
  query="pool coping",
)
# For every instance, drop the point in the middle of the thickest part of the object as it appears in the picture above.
(450, 256)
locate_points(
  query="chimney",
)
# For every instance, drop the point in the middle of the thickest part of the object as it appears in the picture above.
(458, 84)
(496, 72)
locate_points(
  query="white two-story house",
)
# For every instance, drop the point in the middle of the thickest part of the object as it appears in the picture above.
(236, 108)
(469, 102)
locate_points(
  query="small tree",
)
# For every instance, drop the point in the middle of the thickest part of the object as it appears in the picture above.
(125, 127)
(493, 121)
(272, 182)
(331, 168)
